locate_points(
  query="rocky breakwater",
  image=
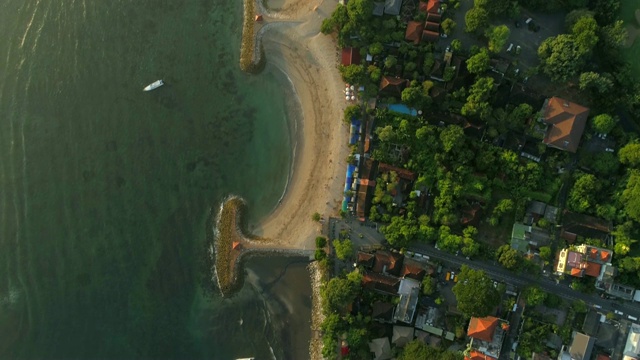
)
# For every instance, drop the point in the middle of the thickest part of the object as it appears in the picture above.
(251, 51)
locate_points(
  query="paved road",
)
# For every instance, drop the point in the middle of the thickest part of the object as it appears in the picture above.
(521, 280)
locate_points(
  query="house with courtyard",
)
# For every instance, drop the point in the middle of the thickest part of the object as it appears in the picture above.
(565, 122)
(486, 335)
(582, 260)
(587, 260)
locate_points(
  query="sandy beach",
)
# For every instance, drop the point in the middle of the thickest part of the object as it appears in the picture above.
(293, 43)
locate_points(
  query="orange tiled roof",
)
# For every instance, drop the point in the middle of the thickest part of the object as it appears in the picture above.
(414, 31)
(476, 355)
(482, 328)
(593, 269)
(567, 121)
(576, 272)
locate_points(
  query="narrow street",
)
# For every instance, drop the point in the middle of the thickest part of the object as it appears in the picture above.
(522, 280)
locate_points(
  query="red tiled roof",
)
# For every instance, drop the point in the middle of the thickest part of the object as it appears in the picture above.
(383, 283)
(434, 17)
(350, 56)
(482, 328)
(387, 261)
(603, 357)
(430, 6)
(392, 85)
(430, 36)
(593, 269)
(432, 26)
(412, 270)
(576, 272)
(414, 31)
(367, 182)
(365, 259)
(477, 355)
(567, 121)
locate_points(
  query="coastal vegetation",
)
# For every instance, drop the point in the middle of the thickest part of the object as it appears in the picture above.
(466, 147)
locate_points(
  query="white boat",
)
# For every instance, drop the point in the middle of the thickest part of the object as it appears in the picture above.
(154, 85)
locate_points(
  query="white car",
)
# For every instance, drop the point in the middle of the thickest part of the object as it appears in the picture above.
(618, 312)
(495, 284)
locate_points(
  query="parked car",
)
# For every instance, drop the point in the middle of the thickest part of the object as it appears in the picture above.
(518, 49)
(510, 47)
(618, 312)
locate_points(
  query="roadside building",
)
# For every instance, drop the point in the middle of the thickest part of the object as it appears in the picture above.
(486, 335)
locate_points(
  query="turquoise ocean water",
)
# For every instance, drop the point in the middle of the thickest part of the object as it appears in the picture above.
(105, 189)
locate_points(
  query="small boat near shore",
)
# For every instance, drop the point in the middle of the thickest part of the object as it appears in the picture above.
(154, 85)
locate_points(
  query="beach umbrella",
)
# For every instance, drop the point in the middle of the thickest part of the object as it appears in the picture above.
(353, 97)
(419, 112)
(346, 97)
(353, 87)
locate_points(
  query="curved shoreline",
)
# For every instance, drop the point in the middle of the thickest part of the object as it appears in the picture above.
(292, 40)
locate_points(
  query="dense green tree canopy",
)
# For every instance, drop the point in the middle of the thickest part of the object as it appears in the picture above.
(603, 123)
(448, 25)
(546, 253)
(478, 100)
(508, 257)
(585, 32)
(452, 138)
(428, 285)
(630, 154)
(575, 15)
(344, 249)
(475, 293)
(493, 7)
(583, 194)
(418, 350)
(352, 74)
(498, 36)
(479, 63)
(476, 19)
(599, 83)
(338, 293)
(631, 195)
(561, 57)
(400, 232)
(535, 295)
